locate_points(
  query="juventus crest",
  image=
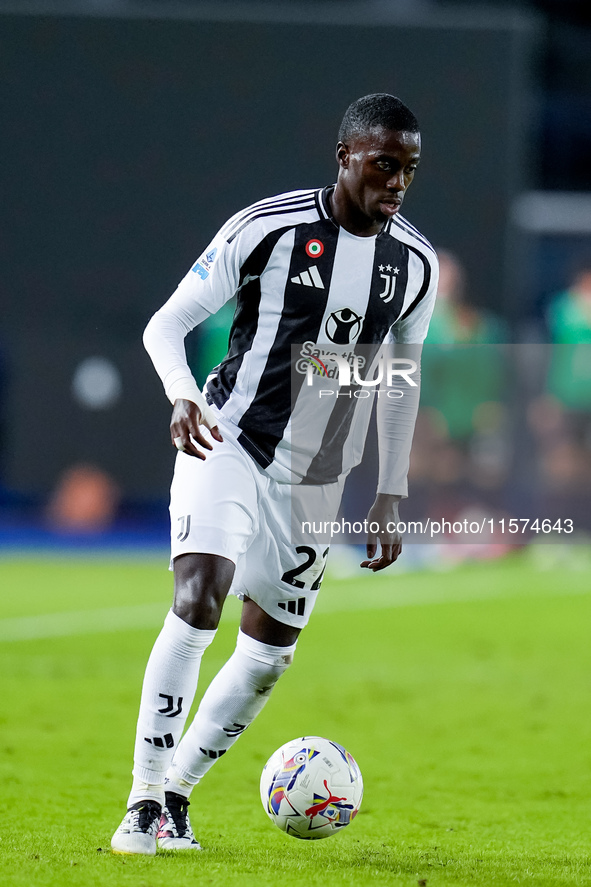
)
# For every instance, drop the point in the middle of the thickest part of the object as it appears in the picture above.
(387, 293)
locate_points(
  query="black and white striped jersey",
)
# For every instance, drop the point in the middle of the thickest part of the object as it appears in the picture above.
(300, 279)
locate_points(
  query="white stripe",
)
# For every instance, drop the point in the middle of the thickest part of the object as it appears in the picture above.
(281, 202)
(315, 275)
(54, 625)
(306, 278)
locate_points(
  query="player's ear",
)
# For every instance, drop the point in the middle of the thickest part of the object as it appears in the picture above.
(342, 155)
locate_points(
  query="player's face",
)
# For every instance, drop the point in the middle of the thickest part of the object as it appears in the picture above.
(375, 171)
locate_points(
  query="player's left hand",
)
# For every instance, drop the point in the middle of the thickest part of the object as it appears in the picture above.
(383, 512)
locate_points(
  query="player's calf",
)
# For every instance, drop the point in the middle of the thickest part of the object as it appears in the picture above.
(231, 703)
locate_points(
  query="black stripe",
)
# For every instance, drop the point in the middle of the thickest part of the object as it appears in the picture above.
(279, 201)
(271, 212)
(246, 319)
(325, 195)
(263, 423)
(424, 286)
(327, 464)
(380, 315)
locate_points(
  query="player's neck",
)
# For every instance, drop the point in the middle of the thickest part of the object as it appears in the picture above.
(349, 217)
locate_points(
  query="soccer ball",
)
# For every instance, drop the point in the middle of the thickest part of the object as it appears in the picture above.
(311, 788)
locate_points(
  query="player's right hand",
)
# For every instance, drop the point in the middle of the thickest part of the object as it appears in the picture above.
(185, 429)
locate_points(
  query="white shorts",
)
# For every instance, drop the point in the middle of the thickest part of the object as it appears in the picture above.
(227, 505)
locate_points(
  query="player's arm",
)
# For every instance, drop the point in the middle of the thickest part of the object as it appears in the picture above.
(398, 403)
(396, 418)
(201, 293)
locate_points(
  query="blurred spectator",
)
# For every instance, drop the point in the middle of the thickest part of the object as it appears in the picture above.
(561, 418)
(462, 388)
(85, 500)
(455, 319)
(569, 326)
(569, 312)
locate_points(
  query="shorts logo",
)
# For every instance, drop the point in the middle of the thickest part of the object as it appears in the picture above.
(314, 248)
(294, 607)
(343, 326)
(185, 522)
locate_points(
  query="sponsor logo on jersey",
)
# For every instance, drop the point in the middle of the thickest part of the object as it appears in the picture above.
(343, 326)
(311, 277)
(313, 361)
(318, 365)
(314, 248)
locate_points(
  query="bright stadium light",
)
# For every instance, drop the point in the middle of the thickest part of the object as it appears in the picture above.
(96, 384)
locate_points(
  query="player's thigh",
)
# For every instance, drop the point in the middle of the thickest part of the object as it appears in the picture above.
(258, 624)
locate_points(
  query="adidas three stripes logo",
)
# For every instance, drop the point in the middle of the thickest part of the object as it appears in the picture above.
(311, 277)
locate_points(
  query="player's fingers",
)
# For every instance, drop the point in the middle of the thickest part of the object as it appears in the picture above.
(370, 549)
(191, 450)
(389, 554)
(198, 437)
(181, 440)
(216, 433)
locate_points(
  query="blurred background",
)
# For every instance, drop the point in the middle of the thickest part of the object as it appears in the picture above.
(133, 130)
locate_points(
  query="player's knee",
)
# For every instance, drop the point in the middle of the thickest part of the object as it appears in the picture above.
(264, 663)
(202, 612)
(201, 583)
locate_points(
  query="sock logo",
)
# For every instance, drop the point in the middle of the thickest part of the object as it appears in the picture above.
(169, 710)
(213, 754)
(161, 741)
(235, 730)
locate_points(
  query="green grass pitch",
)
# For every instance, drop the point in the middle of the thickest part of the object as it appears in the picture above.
(464, 696)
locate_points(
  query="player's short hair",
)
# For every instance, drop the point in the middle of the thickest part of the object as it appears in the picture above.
(377, 110)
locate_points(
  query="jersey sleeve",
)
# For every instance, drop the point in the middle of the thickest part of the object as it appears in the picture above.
(210, 283)
(412, 327)
(396, 418)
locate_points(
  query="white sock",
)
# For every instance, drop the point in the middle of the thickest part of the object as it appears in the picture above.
(231, 702)
(167, 695)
